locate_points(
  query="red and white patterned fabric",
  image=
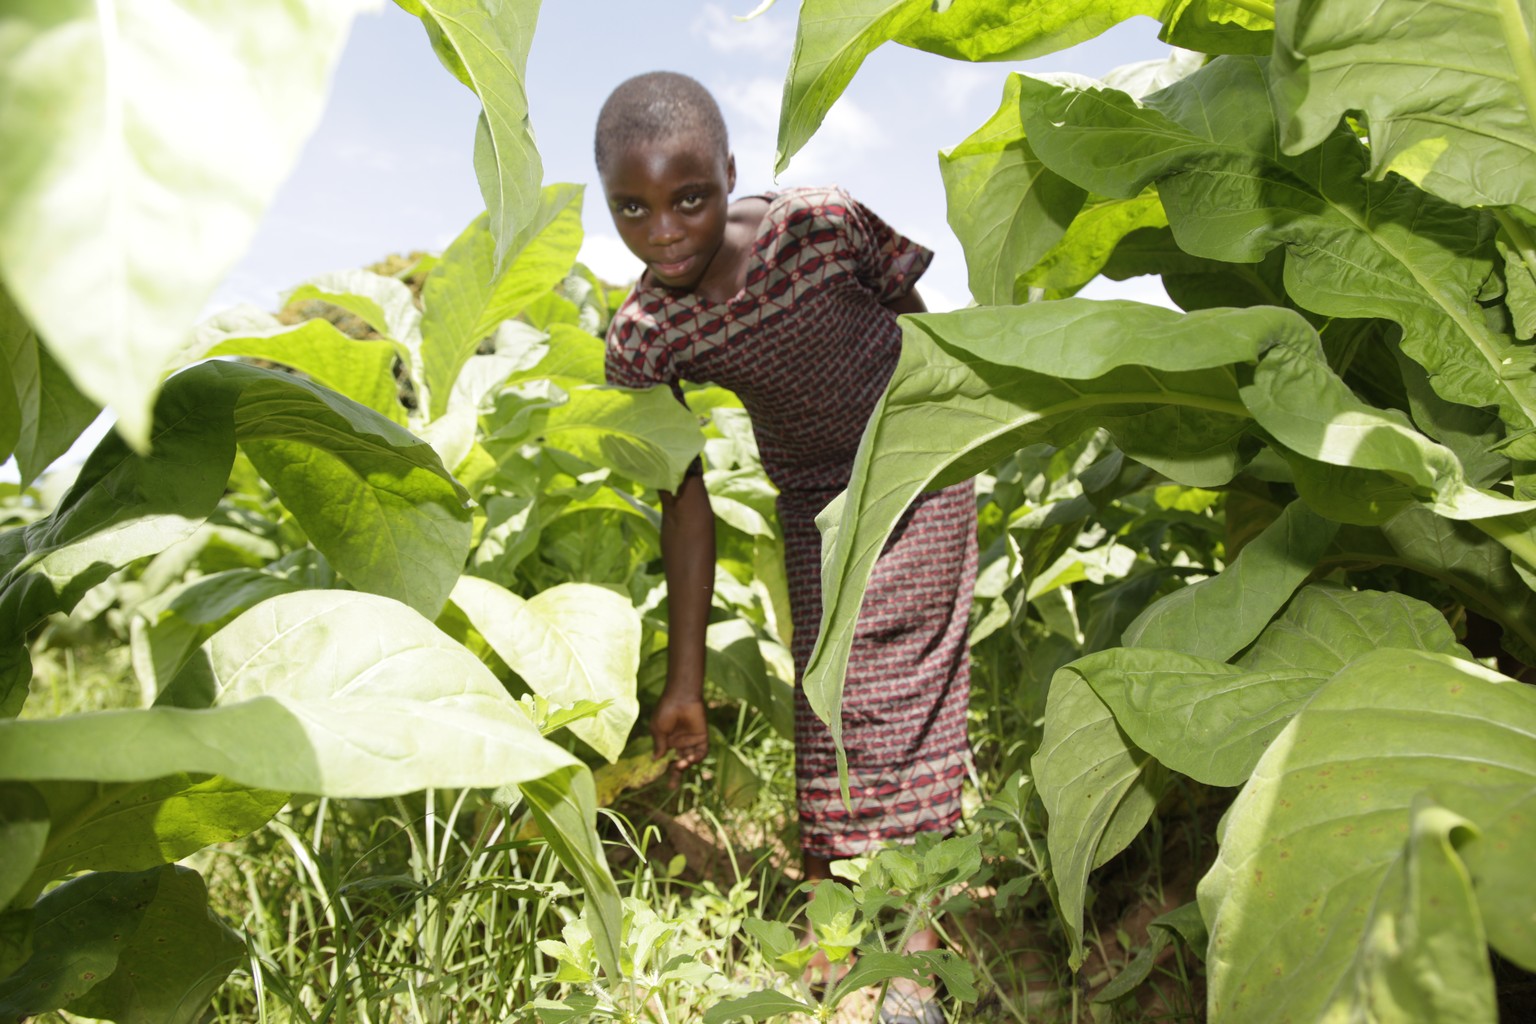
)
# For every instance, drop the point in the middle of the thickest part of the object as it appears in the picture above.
(808, 346)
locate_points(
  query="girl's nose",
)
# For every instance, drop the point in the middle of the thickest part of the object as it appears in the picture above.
(665, 230)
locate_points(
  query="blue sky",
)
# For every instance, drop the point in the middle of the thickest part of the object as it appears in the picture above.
(389, 168)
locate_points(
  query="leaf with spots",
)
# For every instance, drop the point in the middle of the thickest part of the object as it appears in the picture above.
(1306, 902)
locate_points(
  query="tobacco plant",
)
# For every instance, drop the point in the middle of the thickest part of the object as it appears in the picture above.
(1338, 194)
(287, 542)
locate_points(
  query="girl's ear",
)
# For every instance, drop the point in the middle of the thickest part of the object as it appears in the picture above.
(730, 172)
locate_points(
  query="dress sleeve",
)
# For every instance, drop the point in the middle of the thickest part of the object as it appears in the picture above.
(633, 357)
(887, 262)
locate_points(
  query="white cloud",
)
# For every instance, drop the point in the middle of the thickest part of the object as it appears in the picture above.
(1148, 289)
(838, 152)
(958, 85)
(767, 35)
(361, 156)
(609, 259)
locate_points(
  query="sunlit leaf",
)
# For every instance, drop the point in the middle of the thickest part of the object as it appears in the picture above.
(466, 297)
(361, 370)
(569, 643)
(396, 708)
(1448, 90)
(1006, 208)
(1354, 248)
(484, 44)
(974, 385)
(646, 436)
(117, 221)
(835, 36)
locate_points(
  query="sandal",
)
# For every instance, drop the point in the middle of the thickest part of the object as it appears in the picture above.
(910, 1008)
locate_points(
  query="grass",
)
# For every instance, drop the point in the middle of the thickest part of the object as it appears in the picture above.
(429, 908)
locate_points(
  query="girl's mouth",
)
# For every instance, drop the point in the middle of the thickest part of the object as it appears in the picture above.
(672, 269)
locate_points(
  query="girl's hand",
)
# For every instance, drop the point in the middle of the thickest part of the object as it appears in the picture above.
(678, 724)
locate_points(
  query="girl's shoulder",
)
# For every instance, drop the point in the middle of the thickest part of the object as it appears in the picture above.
(820, 202)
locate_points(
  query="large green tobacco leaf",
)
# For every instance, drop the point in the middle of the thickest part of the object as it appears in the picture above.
(1306, 901)
(139, 145)
(646, 436)
(134, 948)
(466, 297)
(1334, 427)
(1090, 768)
(374, 499)
(41, 410)
(1219, 26)
(371, 497)
(136, 825)
(977, 384)
(1448, 90)
(1005, 206)
(1477, 568)
(1089, 243)
(1219, 616)
(1098, 790)
(570, 643)
(163, 637)
(361, 370)
(1424, 927)
(1211, 720)
(835, 36)
(351, 694)
(484, 44)
(1354, 248)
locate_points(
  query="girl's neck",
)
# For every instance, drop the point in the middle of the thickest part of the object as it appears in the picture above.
(727, 273)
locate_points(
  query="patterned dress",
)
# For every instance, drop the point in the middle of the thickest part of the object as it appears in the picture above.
(808, 347)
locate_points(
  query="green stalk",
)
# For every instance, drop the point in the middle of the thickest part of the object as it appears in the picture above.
(1521, 54)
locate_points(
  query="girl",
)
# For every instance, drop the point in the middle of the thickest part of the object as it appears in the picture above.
(790, 300)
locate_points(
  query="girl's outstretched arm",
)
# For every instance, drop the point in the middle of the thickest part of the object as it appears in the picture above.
(688, 558)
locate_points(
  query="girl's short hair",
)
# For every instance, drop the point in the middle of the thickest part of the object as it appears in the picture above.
(658, 104)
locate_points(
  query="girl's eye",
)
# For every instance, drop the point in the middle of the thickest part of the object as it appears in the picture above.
(691, 203)
(631, 210)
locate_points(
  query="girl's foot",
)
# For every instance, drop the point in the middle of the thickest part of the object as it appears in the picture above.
(916, 1006)
(907, 1001)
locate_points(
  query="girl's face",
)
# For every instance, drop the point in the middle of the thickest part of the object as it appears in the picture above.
(669, 199)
